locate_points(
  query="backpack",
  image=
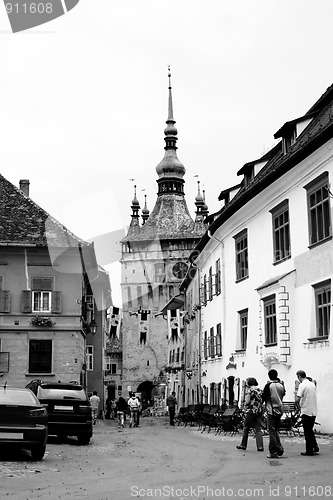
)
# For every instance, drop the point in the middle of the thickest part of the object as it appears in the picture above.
(256, 403)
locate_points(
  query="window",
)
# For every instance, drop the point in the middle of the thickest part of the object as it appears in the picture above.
(108, 363)
(281, 232)
(242, 267)
(90, 357)
(204, 290)
(173, 320)
(319, 210)
(40, 356)
(4, 301)
(270, 320)
(178, 355)
(218, 340)
(205, 346)
(41, 294)
(210, 284)
(4, 361)
(41, 301)
(243, 322)
(160, 272)
(212, 343)
(113, 368)
(323, 308)
(289, 139)
(218, 276)
(129, 297)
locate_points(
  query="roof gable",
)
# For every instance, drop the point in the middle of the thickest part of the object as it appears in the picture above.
(23, 222)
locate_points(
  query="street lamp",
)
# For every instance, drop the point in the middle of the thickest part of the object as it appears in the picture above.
(93, 327)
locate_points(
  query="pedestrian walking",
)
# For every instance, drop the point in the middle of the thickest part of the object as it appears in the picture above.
(273, 394)
(121, 409)
(134, 406)
(171, 404)
(306, 398)
(108, 404)
(113, 409)
(253, 406)
(94, 401)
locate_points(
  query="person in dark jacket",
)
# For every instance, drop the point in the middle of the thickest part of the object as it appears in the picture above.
(171, 404)
(273, 394)
(121, 409)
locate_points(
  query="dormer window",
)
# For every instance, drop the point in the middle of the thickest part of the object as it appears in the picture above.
(289, 140)
(291, 130)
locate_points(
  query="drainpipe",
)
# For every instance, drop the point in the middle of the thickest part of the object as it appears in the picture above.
(223, 286)
(199, 340)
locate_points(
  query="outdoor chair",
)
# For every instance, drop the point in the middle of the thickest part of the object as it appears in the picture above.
(231, 420)
(291, 421)
(209, 420)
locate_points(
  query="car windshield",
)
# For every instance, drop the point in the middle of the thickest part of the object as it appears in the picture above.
(59, 393)
(17, 397)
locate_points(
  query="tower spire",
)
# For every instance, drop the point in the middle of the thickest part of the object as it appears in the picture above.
(170, 170)
(170, 114)
(170, 131)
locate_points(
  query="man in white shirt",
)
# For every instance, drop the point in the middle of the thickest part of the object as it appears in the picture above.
(94, 401)
(307, 400)
(134, 406)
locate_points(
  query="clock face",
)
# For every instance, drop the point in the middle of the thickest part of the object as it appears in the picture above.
(179, 270)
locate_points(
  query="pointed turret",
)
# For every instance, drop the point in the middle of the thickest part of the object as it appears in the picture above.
(204, 209)
(199, 201)
(145, 212)
(201, 212)
(135, 222)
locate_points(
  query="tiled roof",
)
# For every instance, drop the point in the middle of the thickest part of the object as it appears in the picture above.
(319, 131)
(23, 222)
(170, 219)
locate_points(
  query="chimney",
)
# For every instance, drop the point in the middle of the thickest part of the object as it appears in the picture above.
(24, 186)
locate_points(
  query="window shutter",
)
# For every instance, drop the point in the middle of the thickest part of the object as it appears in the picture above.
(56, 302)
(26, 301)
(5, 301)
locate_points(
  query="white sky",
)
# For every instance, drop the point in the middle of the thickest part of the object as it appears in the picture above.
(83, 99)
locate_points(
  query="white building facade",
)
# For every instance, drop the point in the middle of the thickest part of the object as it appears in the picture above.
(266, 266)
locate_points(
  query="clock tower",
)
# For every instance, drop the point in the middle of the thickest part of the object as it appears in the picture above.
(153, 264)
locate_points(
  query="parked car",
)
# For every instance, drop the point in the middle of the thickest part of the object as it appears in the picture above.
(23, 421)
(68, 409)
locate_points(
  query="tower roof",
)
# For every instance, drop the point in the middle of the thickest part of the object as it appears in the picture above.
(170, 217)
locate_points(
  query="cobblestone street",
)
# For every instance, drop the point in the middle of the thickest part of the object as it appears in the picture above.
(159, 461)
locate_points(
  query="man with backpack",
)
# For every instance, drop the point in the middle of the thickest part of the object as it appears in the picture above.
(273, 395)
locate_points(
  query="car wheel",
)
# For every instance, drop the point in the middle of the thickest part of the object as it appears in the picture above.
(84, 438)
(37, 452)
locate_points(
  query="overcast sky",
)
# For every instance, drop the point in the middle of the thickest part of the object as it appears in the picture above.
(83, 99)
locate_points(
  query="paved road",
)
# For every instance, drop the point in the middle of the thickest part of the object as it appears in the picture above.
(163, 462)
